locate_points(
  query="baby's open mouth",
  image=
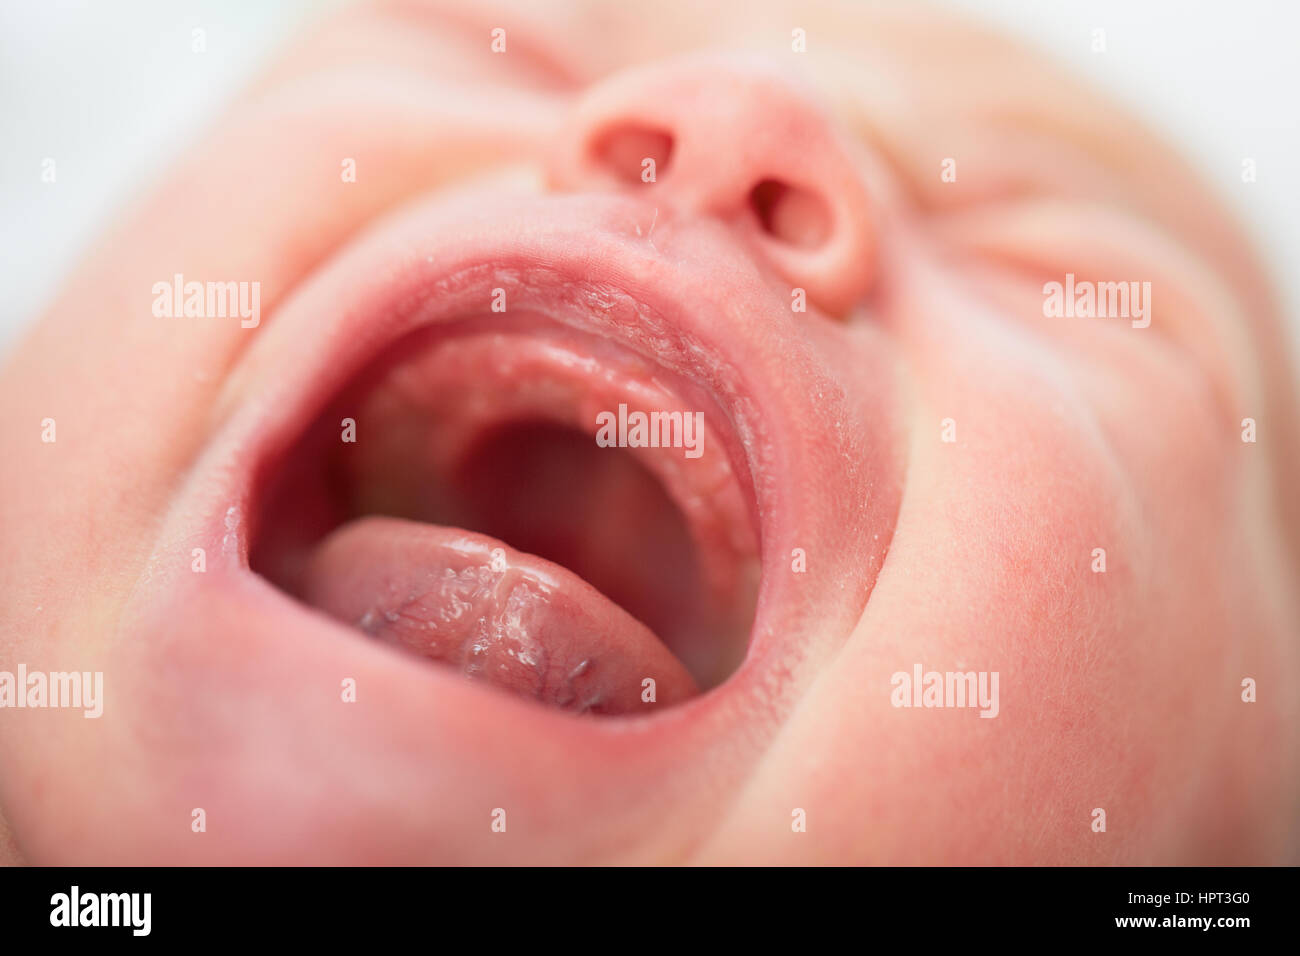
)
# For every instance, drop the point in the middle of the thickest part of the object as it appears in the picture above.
(538, 507)
(400, 457)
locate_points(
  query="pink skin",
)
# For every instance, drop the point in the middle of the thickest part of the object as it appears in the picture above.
(1119, 690)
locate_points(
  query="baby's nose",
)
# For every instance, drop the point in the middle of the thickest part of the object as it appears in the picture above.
(737, 141)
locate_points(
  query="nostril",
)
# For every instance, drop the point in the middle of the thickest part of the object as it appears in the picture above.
(791, 214)
(633, 154)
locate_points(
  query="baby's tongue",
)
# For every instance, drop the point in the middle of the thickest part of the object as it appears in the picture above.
(496, 614)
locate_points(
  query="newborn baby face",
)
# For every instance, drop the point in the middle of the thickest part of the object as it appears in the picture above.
(694, 392)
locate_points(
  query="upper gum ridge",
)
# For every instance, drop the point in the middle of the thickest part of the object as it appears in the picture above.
(477, 375)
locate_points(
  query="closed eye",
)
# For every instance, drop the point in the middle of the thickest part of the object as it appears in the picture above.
(1039, 241)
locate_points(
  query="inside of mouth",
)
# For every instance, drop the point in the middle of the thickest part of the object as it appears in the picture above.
(509, 450)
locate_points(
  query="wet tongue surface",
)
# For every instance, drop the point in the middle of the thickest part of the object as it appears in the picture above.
(496, 614)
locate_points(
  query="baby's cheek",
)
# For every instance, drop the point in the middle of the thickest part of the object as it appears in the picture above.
(184, 762)
(1046, 652)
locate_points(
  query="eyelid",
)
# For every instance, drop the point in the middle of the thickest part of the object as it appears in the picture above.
(1044, 239)
(1004, 161)
(1003, 144)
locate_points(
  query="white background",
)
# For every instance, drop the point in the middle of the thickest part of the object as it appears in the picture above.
(112, 91)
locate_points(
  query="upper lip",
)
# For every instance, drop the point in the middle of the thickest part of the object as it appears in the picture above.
(821, 457)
